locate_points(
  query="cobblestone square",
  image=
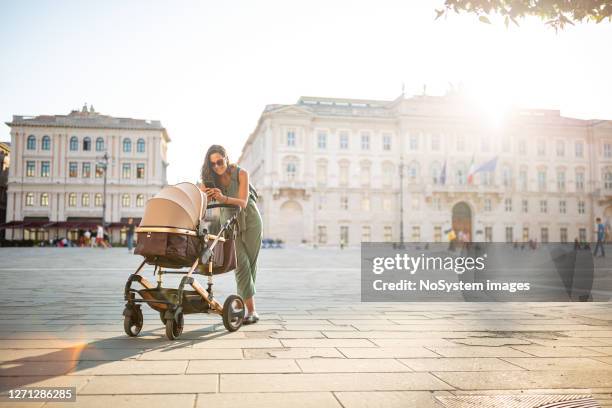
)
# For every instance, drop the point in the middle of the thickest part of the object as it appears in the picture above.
(316, 344)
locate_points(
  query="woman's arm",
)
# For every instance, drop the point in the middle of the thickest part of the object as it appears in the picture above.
(243, 191)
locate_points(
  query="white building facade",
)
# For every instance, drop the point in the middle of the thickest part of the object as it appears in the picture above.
(56, 179)
(328, 171)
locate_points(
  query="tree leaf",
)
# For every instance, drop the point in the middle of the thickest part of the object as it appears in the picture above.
(484, 19)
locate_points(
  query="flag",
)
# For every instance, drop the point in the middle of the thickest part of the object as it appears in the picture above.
(488, 166)
(471, 172)
(443, 174)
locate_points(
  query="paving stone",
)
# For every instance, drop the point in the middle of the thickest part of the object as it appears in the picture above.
(151, 384)
(238, 343)
(387, 352)
(518, 380)
(413, 342)
(243, 366)
(302, 352)
(285, 334)
(388, 399)
(559, 363)
(329, 365)
(268, 400)
(543, 351)
(192, 354)
(128, 401)
(459, 364)
(134, 367)
(331, 382)
(491, 341)
(478, 351)
(327, 343)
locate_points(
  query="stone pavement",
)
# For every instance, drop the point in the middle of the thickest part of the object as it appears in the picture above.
(315, 346)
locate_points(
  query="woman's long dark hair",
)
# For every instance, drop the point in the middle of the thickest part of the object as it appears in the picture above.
(207, 174)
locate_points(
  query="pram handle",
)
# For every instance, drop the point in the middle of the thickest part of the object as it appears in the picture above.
(219, 205)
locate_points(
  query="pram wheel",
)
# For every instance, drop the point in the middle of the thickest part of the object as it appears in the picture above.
(174, 329)
(233, 312)
(162, 318)
(132, 324)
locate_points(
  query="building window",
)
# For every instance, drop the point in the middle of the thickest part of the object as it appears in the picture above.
(579, 180)
(487, 204)
(461, 176)
(581, 207)
(343, 177)
(321, 173)
(30, 168)
(99, 170)
(140, 146)
(387, 174)
(544, 235)
(344, 140)
(291, 138)
(45, 169)
(99, 144)
(525, 234)
(388, 233)
(74, 144)
(507, 176)
(413, 172)
(562, 207)
(437, 233)
(523, 180)
(542, 180)
(436, 173)
(525, 206)
(86, 170)
(563, 235)
(522, 147)
(72, 200)
(509, 234)
(44, 200)
(31, 143)
(72, 169)
(344, 235)
(486, 178)
(140, 171)
(344, 202)
(435, 143)
(322, 140)
(85, 200)
(365, 203)
(322, 234)
(608, 179)
(413, 142)
(86, 144)
(386, 204)
(416, 233)
(579, 147)
(98, 200)
(561, 180)
(560, 148)
(607, 150)
(290, 171)
(29, 199)
(543, 206)
(365, 141)
(508, 205)
(125, 200)
(437, 203)
(366, 233)
(582, 234)
(541, 148)
(488, 234)
(140, 200)
(126, 171)
(127, 146)
(416, 203)
(386, 142)
(46, 143)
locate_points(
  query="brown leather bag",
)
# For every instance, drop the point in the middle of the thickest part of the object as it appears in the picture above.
(224, 256)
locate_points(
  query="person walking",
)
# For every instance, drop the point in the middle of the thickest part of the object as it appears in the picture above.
(231, 186)
(601, 236)
(130, 234)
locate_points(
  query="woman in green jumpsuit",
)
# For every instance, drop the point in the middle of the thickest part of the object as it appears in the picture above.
(232, 187)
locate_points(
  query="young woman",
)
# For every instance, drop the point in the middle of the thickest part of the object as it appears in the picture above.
(232, 187)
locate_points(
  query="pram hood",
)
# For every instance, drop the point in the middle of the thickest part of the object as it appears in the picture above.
(178, 206)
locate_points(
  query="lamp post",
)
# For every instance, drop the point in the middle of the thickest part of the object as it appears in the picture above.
(401, 177)
(104, 165)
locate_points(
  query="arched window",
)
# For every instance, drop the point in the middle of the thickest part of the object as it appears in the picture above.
(387, 170)
(507, 176)
(140, 146)
(99, 144)
(98, 200)
(29, 199)
(125, 200)
(127, 145)
(72, 200)
(31, 142)
(140, 200)
(86, 144)
(85, 200)
(413, 172)
(46, 143)
(44, 200)
(461, 174)
(436, 173)
(74, 143)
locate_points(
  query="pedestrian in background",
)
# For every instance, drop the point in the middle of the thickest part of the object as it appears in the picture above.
(130, 234)
(601, 235)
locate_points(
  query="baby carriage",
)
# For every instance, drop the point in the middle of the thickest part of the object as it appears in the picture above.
(172, 235)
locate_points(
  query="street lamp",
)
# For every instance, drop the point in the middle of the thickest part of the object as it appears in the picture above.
(104, 165)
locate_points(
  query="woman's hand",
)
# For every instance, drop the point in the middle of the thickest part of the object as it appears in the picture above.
(211, 192)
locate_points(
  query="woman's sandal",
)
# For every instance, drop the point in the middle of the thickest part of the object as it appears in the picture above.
(250, 319)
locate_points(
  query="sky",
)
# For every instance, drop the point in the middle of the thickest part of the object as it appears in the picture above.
(207, 69)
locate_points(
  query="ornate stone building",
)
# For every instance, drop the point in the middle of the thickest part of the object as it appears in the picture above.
(56, 180)
(328, 170)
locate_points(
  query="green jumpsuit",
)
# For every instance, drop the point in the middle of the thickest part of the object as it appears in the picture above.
(248, 239)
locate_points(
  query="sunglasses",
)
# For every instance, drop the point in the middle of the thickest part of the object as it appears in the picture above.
(217, 163)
